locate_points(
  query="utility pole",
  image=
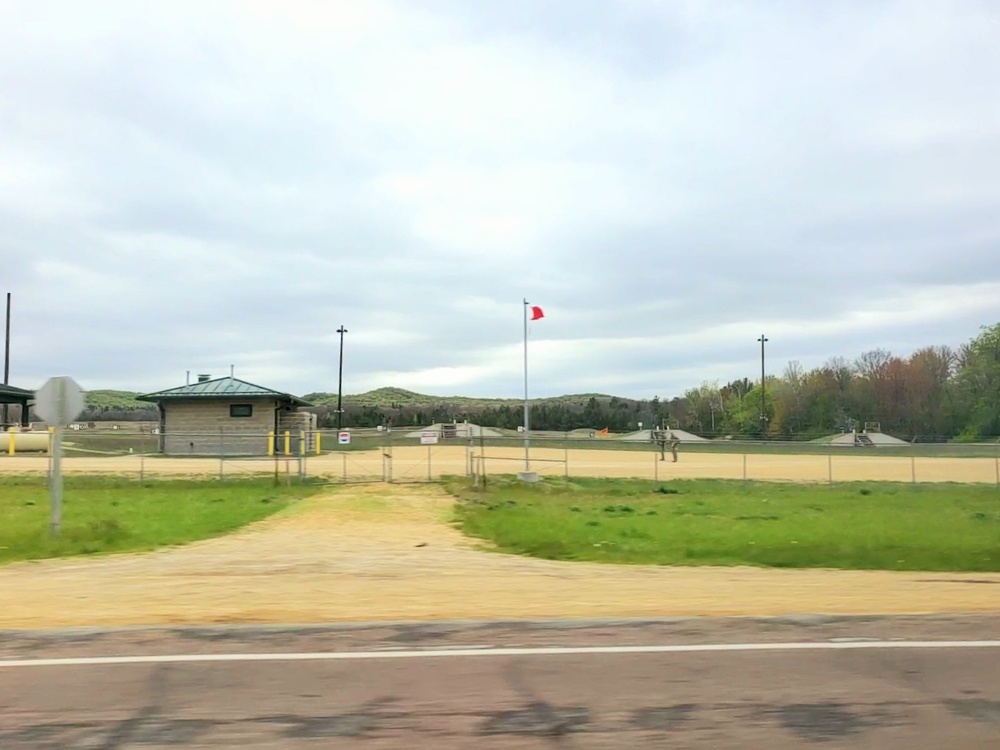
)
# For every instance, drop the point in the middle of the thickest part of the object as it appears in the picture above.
(763, 409)
(6, 365)
(340, 380)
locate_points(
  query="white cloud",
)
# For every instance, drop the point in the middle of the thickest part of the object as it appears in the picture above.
(194, 185)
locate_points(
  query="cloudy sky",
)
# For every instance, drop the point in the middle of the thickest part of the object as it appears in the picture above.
(190, 185)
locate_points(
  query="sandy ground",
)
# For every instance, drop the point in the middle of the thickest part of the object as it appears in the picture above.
(387, 552)
(420, 464)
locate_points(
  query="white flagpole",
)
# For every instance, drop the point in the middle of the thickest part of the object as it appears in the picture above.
(527, 418)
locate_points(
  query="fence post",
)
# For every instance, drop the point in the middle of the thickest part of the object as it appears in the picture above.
(302, 456)
(744, 467)
(829, 467)
(222, 452)
(10, 442)
(142, 469)
(288, 442)
(343, 457)
(566, 453)
(319, 442)
(271, 442)
(997, 460)
(913, 468)
(429, 476)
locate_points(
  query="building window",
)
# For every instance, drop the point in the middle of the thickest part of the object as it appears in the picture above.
(241, 410)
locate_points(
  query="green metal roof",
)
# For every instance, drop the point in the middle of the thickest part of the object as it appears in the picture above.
(221, 388)
(11, 395)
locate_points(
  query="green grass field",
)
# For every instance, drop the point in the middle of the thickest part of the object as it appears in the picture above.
(715, 522)
(114, 515)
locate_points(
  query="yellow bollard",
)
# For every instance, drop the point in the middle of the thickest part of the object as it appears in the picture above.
(319, 441)
(288, 443)
(10, 441)
(270, 443)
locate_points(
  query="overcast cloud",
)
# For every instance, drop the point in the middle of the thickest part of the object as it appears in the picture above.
(189, 185)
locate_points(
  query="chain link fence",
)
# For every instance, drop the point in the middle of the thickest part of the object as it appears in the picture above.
(377, 455)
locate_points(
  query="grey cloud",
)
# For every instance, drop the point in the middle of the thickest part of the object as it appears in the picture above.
(218, 209)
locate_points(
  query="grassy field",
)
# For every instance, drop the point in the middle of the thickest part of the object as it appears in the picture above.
(113, 515)
(716, 522)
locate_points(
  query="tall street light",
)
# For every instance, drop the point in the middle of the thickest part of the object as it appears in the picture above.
(340, 380)
(763, 409)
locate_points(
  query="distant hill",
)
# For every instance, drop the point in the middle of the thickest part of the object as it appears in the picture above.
(381, 398)
(115, 400)
(400, 398)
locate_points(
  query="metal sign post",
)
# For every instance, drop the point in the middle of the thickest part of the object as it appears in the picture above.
(56, 483)
(58, 402)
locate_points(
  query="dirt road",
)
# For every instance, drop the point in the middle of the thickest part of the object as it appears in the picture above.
(387, 552)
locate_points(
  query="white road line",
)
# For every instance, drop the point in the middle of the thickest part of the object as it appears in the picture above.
(87, 661)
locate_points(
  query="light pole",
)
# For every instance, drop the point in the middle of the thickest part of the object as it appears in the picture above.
(6, 365)
(763, 410)
(340, 379)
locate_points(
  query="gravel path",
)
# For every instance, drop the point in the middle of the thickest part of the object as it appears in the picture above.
(385, 552)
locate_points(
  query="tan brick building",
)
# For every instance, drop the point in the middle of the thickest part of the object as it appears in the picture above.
(228, 417)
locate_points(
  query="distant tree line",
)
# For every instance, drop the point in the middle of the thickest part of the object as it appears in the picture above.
(935, 394)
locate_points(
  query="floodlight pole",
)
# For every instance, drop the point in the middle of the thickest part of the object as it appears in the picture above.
(340, 379)
(763, 411)
(6, 364)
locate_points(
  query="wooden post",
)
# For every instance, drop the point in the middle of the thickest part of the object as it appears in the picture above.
(566, 454)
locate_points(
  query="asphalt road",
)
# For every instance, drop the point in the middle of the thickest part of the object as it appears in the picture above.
(855, 682)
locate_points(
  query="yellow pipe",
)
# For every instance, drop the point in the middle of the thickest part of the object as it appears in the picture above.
(270, 443)
(288, 443)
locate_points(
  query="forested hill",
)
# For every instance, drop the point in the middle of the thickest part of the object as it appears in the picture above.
(399, 398)
(935, 393)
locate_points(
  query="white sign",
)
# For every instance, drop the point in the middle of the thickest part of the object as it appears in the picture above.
(59, 401)
(428, 438)
(343, 438)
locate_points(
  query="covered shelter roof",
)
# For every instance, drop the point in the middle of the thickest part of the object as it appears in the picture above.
(11, 395)
(227, 388)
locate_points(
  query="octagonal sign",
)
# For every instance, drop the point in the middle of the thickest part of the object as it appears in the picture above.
(59, 401)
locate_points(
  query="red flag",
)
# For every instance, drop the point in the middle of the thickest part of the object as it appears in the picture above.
(536, 313)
